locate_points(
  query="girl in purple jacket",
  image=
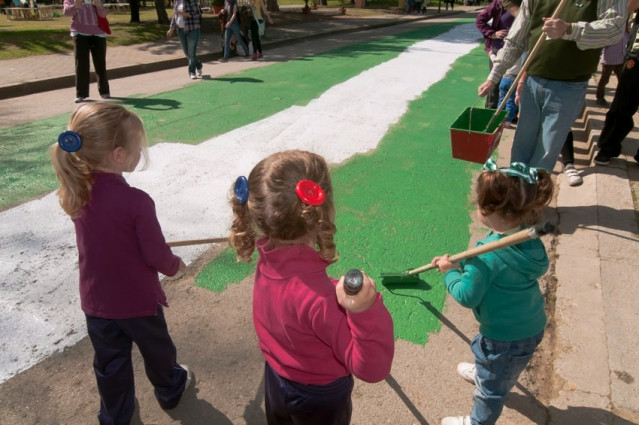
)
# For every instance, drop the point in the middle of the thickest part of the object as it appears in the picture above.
(121, 250)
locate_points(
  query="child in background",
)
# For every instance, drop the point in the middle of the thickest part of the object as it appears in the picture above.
(121, 249)
(501, 287)
(311, 333)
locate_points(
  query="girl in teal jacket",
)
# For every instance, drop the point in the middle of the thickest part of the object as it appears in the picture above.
(501, 287)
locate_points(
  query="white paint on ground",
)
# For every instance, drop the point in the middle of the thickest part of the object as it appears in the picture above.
(39, 302)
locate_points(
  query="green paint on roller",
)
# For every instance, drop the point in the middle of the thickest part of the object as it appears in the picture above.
(204, 110)
(408, 201)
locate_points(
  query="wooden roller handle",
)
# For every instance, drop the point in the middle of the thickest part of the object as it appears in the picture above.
(519, 237)
(197, 242)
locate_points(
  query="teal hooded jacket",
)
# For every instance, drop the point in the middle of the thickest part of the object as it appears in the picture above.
(502, 289)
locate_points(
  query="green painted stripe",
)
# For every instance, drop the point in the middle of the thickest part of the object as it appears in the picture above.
(201, 111)
(400, 205)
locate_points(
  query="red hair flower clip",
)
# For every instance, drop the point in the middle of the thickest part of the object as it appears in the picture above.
(310, 193)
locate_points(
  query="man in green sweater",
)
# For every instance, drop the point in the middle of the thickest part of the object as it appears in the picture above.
(554, 92)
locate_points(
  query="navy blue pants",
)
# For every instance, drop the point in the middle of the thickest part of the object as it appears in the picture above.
(292, 403)
(112, 341)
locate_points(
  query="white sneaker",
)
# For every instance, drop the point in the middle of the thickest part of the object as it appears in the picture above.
(189, 376)
(193, 77)
(456, 420)
(199, 72)
(467, 371)
(574, 179)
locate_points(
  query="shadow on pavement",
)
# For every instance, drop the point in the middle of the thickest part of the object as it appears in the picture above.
(153, 104)
(402, 395)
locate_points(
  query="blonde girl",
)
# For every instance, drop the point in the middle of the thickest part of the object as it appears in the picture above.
(121, 250)
(313, 335)
(501, 287)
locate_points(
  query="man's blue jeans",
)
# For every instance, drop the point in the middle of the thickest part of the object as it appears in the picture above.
(499, 364)
(189, 42)
(547, 110)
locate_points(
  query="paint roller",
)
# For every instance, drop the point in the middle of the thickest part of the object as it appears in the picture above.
(412, 276)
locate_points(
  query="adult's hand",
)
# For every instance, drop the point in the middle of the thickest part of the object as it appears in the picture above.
(554, 28)
(485, 88)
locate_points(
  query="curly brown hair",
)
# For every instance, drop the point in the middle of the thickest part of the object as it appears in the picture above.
(274, 210)
(512, 197)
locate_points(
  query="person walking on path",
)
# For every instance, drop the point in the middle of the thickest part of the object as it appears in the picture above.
(554, 92)
(121, 250)
(186, 20)
(258, 7)
(88, 38)
(493, 22)
(231, 28)
(624, 105)
(313, 335)
(612, 60)
(501, 287)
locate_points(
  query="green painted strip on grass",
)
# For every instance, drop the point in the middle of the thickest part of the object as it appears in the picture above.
(201, 111)
(402, 204)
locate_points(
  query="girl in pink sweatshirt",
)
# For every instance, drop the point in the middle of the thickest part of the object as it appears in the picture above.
(313, 335)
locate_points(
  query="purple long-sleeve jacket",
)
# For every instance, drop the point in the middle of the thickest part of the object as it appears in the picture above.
(121, 249)
(501, 20)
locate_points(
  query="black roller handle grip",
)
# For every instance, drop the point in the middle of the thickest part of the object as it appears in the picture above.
(353, 281)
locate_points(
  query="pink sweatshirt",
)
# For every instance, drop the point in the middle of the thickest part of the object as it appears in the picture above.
(304, 334)
(84, 19)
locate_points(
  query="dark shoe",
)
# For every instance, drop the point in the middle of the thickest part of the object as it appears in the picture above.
(106, 96)
(224, 60)
(601, 101)
(602, 159)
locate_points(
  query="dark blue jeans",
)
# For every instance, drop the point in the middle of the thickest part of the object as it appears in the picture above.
(112, 341)
(189, 41)
(499, 364)
(292, 403)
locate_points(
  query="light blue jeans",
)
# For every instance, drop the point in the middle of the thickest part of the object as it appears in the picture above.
(189, 41)
(548, 108)
(499, 364)
(228, 34)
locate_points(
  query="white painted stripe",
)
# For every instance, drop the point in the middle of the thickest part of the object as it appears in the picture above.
(39, 305)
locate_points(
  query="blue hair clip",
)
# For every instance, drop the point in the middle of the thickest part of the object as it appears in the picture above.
(241, 190)
(70, 141)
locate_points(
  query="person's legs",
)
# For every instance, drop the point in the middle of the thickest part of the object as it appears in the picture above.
(235, 29)
(81, 54)
(606, 70)
(561, 103)
(499, 364)
(255, 38)
(528, 133)
(98, 53)
(568, 150)
(291, 403)
(619, 120)
(510, 107)
(192, 40)
(152, 337)
(113, 371)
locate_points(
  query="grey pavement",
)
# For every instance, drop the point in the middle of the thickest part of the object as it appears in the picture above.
(593, 373)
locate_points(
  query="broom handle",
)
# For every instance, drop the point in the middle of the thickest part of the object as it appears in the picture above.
(519, 237)
(524, 67)
(197, 242)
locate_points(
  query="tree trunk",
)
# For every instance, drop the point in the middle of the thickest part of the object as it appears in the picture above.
(135, 10)
(272, 6)
(160, 8)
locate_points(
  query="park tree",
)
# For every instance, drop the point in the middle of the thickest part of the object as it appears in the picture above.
(160, 9)
(272, 5)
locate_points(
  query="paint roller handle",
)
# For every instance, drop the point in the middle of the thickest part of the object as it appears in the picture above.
(197, 242)
(534, 232)
(353, 282)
